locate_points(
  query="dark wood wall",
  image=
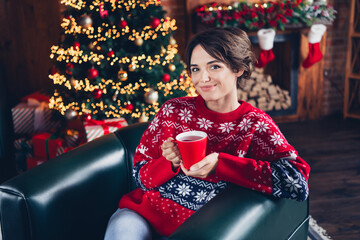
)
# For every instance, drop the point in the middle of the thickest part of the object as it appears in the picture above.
(28, 28)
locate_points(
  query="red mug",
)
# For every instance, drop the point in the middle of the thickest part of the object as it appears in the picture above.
(192, 147)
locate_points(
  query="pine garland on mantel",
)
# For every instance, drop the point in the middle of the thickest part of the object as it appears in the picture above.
(279, 15)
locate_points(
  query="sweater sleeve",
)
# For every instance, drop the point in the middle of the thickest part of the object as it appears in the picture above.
(271, 165)
(151, 169)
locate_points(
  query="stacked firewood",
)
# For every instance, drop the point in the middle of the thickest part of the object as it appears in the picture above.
(262, 93)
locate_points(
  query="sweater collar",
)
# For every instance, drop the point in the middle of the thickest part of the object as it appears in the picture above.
(221, 117)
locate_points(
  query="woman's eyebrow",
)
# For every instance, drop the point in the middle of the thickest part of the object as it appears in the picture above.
(211, 62)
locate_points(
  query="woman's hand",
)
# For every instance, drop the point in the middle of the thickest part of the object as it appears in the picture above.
(171, 152)
(203, 168)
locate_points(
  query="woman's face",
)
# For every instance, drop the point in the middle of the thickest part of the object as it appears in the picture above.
(213, 79)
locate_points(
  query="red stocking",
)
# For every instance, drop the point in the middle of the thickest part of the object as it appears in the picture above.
(265, 57)
(266, 41)
(314, 55)
(314, 38)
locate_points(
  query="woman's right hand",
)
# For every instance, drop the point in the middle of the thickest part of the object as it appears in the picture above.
(171, 152)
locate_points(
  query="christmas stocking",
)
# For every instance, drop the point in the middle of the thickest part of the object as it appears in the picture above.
(266, 41)
(314, 38)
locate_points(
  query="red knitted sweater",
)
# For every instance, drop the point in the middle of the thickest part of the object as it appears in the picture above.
(253, 153)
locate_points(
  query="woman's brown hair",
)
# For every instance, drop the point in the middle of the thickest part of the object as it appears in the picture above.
(231, 46)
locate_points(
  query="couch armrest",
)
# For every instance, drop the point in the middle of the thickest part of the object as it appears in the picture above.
(240, 213)
(69, 197)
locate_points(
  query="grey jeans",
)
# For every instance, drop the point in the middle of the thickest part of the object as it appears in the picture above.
(127, 224)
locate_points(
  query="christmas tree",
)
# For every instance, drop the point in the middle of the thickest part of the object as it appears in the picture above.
(116, 58)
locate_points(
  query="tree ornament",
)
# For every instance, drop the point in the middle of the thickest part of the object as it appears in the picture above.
(97, 93)
(172, 67)
(92, 73)
(139, 42)
(69, 68)
(111, 53)
(154, 22)
(70, 114)
(129, 106)
(72, 82)
(103, 13)
(53, 70)
(122, 75)
(143, 118)
(87, 117)
(114, 98)
(151, 96)
(76, 45)
(166, 77)
(91, 46)
(172, 41)
(163, 50)
(122, 23)
(132, 67)
(85, 21)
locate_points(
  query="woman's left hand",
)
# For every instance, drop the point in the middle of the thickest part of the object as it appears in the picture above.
(203, 168)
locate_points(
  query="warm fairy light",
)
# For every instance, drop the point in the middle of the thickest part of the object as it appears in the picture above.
(71, 27)
(78, 4)
(166, 25)
(73, 55)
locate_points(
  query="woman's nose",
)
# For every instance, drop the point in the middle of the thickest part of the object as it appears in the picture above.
(204, 76)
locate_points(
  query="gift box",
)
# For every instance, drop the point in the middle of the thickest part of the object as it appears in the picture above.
(72, 138)
(33, 116)
(62, 150)
(23, 150)
(34, 161)
(98, 128)
(45, 145)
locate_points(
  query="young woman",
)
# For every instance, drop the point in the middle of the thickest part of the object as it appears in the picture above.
(245, 146)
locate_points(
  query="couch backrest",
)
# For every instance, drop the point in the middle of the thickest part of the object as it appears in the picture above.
(130, 138)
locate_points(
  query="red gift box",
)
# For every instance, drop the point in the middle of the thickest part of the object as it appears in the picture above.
(33, 162)
(45, 145)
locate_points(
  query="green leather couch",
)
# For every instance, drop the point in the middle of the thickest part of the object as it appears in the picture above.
(74, 195)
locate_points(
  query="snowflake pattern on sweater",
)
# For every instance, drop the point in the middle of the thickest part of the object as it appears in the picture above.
(253, 153)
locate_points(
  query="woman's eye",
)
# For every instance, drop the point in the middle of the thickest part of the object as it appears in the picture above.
(194, 69)
(215, 67)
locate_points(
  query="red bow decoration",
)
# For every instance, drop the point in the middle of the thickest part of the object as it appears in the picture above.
(105, 124)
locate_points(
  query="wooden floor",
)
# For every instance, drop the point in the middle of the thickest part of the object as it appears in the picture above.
(331, 146)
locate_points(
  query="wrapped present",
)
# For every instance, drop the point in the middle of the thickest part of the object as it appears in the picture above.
(72, 138)
(33, 116)
(24, 145)
(45, 145)
(23, 150)
(98, 128)
(62, 150)
(34, 161)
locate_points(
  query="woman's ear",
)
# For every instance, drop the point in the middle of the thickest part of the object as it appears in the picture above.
(239, 73)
